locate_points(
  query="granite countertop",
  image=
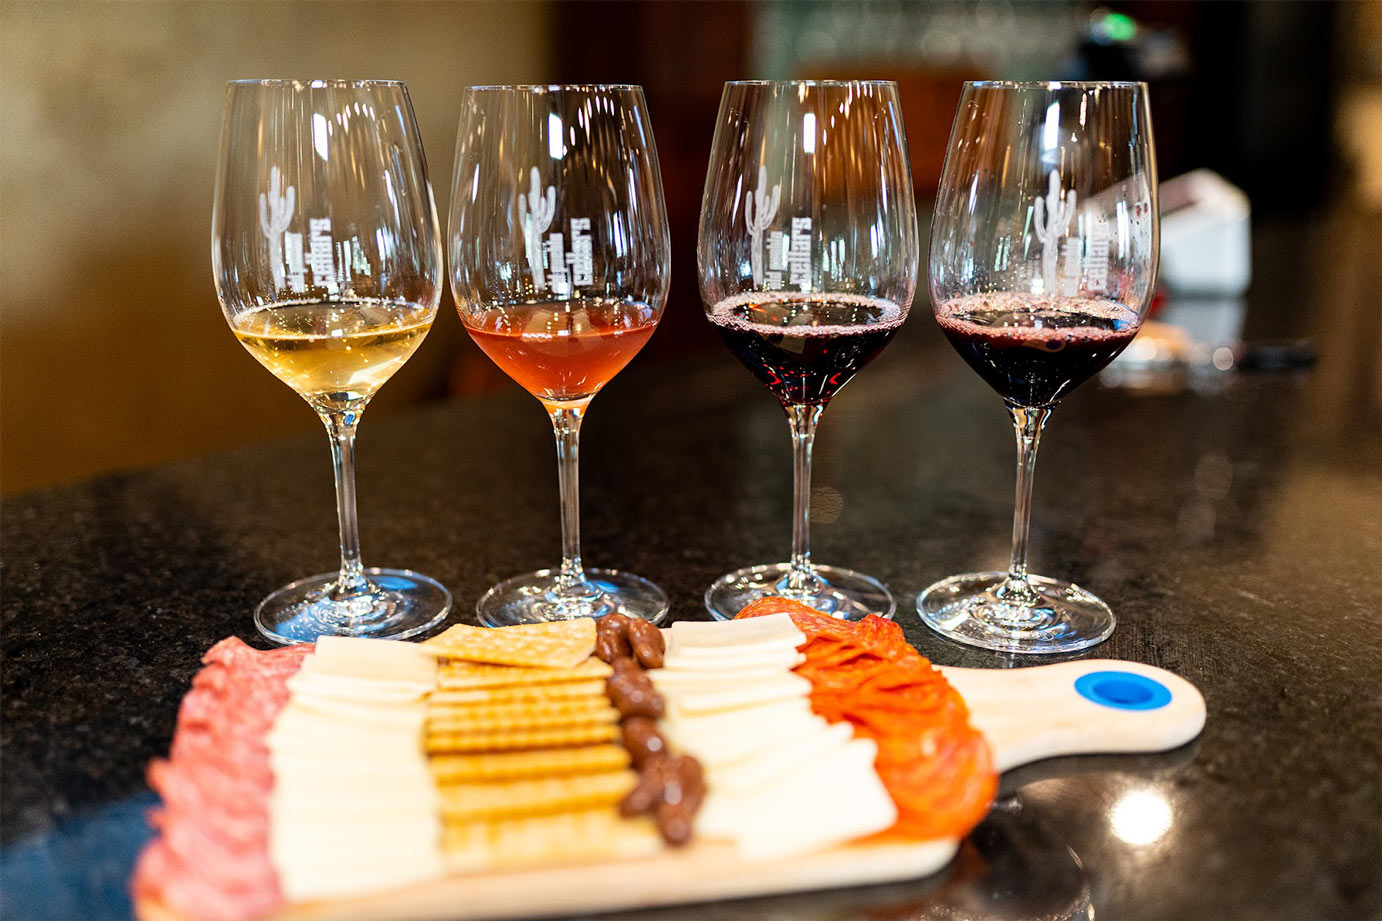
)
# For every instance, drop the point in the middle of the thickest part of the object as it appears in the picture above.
(1234, 528)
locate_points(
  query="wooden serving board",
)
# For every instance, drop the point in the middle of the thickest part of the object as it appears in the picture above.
(1027, 714)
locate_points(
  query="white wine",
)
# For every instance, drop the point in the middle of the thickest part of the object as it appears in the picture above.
(336, 354)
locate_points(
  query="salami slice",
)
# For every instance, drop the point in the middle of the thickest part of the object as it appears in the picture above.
(211, 858)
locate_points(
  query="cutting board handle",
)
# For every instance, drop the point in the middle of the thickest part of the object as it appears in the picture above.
(1078, 708)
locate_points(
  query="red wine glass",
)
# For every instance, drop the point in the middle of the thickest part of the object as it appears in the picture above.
(1043, 259)
(560, 255)
(807, 259)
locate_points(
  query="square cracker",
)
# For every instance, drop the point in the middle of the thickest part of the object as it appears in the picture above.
(515, 717)
(464, 676)
(579, 836)
(518, 765)
(513, 799)
(584, 835)
(519, 739)
(517, 710)
(495, 696)
(558, 644)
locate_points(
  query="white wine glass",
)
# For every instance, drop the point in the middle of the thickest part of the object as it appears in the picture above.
(327, 256)
(807, 258)
(1043, 261)
(560, 256)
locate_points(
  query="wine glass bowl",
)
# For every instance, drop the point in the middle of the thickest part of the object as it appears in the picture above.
(807, 258)
(326, 252)
(1043, 258)
(560, 255)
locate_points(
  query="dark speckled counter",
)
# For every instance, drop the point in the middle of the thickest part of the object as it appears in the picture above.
(1234, 529)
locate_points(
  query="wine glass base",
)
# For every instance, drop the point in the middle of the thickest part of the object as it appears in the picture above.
(535, 598)
(1059, 617)
(839, 592)
(403, 604)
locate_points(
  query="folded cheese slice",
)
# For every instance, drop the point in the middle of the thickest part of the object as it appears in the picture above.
(689, 701)
(354, 808)
(818, 803)
(781, 780)
(736, 634)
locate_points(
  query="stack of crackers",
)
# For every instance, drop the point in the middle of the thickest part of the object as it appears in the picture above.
(525, 749)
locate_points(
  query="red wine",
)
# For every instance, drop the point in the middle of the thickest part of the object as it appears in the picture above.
(1033, 349)
(803, 346)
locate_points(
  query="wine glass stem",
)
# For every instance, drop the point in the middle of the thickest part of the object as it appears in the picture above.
(566, 423)
(803, 419)
(1027, 424)
(340, 426)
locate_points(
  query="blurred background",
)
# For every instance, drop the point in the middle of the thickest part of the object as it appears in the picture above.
(114, 354)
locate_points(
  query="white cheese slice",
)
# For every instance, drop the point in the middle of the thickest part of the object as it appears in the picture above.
(784, 659)
(379, 660)
(767, 766)
(725, 739)
(366, 690)
(308, 705)
(297, 726)
(306, 701)
(354, 808)
(401, 852)
(693, 679)
(691, 675)
(741, 633)
(335, 871)
(731, 752)
(820, 803)
(763, 718)
(692, 652)
(290, 763)
(690, 701)
(398, 789)
(299, 806)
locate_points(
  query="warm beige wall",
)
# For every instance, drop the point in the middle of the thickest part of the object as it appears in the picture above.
(113, 352)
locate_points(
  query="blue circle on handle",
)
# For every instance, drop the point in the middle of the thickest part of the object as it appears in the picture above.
(1123, 690)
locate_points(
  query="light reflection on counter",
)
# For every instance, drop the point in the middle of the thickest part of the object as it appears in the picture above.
(1140, 817)
(1129, 820)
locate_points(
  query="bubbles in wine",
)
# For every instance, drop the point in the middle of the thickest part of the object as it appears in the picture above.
(1034, 349)
(806, 314)
(804, 347)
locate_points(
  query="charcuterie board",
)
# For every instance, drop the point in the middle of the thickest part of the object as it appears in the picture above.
(1026, 715)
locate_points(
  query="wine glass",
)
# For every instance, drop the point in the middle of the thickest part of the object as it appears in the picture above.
(1043, 259)
(807, 258)
(327, 255)
(560, 257)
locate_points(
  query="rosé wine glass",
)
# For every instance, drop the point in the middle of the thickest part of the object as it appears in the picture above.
(560, 257)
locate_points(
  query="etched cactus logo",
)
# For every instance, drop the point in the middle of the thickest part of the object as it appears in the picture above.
(334, 263)
(535, 211)
(760, 207)
(275, 214)
(1051, 221)
(550, 263)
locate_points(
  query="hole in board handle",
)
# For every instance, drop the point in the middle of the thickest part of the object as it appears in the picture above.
(1123, 690)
